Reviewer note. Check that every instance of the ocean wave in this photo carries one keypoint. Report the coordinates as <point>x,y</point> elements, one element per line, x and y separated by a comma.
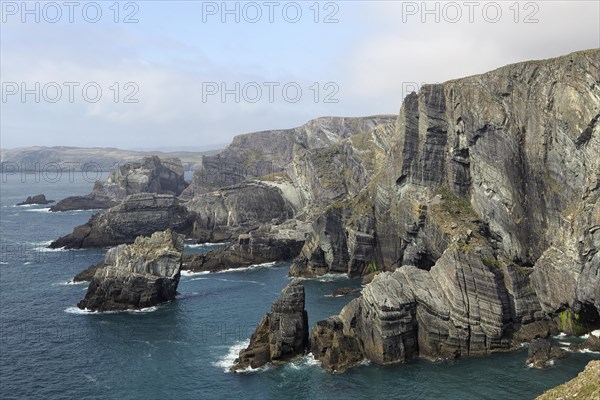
<point>75,283</point>
<point>192,273</point>
<point>560,335</point>
<point>38,210</point>
<point>248,268</point>
<point>227,360</point>
<point>308,361</point>
<point>78,311</point>
<point>3,263</point>
<point>199,245</point>
<point>324,278</point>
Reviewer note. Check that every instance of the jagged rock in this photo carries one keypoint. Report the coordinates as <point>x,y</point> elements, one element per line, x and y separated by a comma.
<point>144,274</point>
<point>592,343</point>
<point>460,307</point>
<point>586,386</point>
<point>335,350</point>
<point>269,153</point>
<point>281,335</point>
<point>224,214</point>
<point>264,245</point>
<point>37,199</point>
<point>542,353</point>
<point>151,175</point>
<point>138,215</point>
<point>110,258</point>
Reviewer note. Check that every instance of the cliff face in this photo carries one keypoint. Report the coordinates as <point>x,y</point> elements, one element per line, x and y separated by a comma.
<point>267,153</point>
<point>486,207</point>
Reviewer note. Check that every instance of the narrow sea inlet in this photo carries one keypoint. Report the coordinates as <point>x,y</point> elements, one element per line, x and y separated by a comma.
<point>183,349</point>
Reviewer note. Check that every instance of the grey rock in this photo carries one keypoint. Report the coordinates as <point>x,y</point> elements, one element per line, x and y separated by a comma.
<point>281,335</point>
<point>151,175</point>
<point>138,215</point>
<point>269,153</point>
<point>37,199</point>
<point>144,274</point>
<point>542,353</point>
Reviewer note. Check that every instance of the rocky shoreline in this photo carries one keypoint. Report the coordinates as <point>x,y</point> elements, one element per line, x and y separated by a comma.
<point>472,216</point>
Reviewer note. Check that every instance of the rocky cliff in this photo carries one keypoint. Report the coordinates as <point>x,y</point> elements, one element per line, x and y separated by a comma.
<point>138,215</point>
<point>143,274</point>
<point>151,175</point>
<point>281,335</point>
<point>269,153</point>
<point>485,207</point>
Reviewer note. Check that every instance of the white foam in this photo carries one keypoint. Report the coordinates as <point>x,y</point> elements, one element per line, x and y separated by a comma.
<point>77,310</point>
<point>332,277</point>
<point>251,267</point>
<point>588,351</point>
<point>198,245</point>
<point>192,273</point>
<point>38,210</point>
<point>3,263</point>
<point>560,335</point>
<point>74,283</point>
<point>233,353</point>
<point>305,362</point>
<point>564,343</point>
<point>596,333</point>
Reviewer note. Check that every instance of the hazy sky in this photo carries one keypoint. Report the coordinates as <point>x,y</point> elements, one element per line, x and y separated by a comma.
<point>175,58</point>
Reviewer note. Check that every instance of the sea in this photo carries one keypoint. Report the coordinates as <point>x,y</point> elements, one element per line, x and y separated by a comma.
<point>49,349</point>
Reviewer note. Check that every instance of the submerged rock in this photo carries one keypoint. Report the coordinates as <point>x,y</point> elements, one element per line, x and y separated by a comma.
<point>281,335</point>
<point>140,275</point>
<point>37,199</point>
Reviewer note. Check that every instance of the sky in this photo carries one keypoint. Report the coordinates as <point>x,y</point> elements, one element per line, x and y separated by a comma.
<point>193,74</point>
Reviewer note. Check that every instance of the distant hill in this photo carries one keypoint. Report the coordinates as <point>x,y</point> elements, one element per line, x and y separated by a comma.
<point>36,157</point>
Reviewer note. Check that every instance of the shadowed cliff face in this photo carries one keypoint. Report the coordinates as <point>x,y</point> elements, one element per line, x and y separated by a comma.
<point>489,187</point>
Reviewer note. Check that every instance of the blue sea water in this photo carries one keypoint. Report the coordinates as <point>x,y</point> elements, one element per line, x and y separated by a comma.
<point>182,350</point>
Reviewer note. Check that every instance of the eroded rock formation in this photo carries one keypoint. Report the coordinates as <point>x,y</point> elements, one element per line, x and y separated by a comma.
<point>281,335</point>
<point>151,175</point>
<point>138,215</point>
<point>143,274</point>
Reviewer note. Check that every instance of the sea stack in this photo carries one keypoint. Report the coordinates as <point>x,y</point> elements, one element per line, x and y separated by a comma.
<point>144,274</point>
<point>281,335</point>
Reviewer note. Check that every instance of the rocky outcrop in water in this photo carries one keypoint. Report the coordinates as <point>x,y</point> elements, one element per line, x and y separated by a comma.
<point>281,335</point>
<point>138,215</point>
<point>543,353</point>
<point>37,199</point>
<point>151,175</point>
<point>140,275</point>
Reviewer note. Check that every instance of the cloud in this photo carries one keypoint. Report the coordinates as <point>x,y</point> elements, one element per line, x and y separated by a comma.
<point>377,55</point>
